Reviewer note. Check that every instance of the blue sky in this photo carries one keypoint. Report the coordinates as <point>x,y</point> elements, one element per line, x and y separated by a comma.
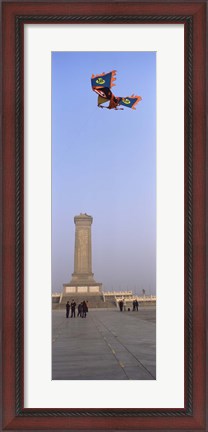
<point>104,164</point>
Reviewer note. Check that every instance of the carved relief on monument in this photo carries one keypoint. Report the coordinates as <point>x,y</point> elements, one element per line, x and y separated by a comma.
<point>70,289</point>
<point>94,289</point>
<point>82,289</point>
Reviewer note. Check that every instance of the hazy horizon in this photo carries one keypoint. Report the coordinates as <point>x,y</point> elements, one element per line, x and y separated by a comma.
<point>104,164</point>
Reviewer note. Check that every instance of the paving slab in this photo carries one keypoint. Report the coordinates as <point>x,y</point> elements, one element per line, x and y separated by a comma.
<point>107,345</point>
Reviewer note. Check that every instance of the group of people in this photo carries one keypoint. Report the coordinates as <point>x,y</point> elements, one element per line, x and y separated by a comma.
<point>82,309</point>
<point>122,306</point>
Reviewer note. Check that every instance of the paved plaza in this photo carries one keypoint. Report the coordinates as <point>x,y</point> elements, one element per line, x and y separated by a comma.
<point>107,345</point>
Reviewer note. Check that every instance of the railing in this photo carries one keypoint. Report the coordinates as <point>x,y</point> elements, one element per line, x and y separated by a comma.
<point>117,293</point>
<point>140,299</point>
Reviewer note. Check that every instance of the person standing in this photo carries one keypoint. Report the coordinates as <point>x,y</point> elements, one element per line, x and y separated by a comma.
<point>85,309</point>
<point>73,306</point>
<point>79,310</point>
<point>136,305</point>
<point>67,309</point>
<point>121,305</point>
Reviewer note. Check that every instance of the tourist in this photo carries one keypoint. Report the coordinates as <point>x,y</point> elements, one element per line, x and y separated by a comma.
<point>67,309</point>
<point>73,306</point>
<point>121,305</point>
<point>84,310</point>
<point>79,310</point>
<point>136,305</point>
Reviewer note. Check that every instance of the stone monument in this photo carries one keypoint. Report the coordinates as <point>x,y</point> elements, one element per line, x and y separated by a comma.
<point>82,278</point>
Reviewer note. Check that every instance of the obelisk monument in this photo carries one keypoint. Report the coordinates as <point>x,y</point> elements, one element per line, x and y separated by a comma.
<point>82,278</point>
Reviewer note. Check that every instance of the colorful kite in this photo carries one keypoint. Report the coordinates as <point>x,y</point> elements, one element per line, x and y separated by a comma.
<point>101,84</point>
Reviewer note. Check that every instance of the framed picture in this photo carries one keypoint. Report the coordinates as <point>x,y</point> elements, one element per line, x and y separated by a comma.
<point>38,40</point>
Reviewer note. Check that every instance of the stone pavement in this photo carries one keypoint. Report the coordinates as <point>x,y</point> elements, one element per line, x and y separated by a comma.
<point>107,345</point>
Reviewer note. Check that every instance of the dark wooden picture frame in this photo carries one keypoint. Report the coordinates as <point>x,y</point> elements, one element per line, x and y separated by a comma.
<point>193,415</point>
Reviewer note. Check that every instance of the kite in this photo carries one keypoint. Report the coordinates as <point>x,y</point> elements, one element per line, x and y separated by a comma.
<point>101,84</point>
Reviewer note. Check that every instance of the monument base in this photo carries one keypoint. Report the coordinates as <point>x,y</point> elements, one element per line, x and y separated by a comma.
<point>91,293</point>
